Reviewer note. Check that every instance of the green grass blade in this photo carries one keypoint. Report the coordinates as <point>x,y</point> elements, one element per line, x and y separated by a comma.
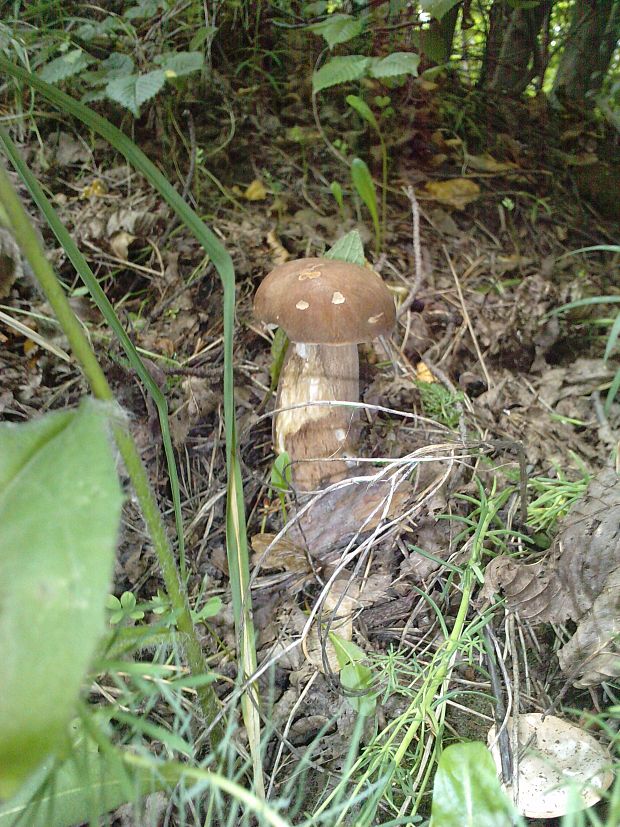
<point>237,549</point>
<point>103,303</point>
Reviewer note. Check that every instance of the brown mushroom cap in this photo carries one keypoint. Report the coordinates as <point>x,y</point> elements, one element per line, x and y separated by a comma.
<point>324,301</point>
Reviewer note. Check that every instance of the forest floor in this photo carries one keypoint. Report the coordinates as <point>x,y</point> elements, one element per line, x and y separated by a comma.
<point>481,380</point>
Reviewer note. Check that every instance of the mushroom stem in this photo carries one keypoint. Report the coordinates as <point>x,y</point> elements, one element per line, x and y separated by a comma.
<point>316,437</point>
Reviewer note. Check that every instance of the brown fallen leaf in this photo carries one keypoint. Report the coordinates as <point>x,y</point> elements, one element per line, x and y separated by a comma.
<point>487,163</point>
<point>578,580</point>
<point>10,262</point>
<point>457,192</point>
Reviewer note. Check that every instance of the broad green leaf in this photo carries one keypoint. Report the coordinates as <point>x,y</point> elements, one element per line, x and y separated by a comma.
<point>134,90</point>
<point>65,66</point>
<point>348,248</point>
<point>363,110</point>
<point>177,64</point>
<point>338,28</point>
<point>365,186</point>
<point>438,8</point>
<point>346,650</point>
<point>398,63</point>
<point>145,8</point>
<point>340,70</point>
<point>467,792</point>
<point>60,504</point>
<point>117,65</point>
<point>88,782</point>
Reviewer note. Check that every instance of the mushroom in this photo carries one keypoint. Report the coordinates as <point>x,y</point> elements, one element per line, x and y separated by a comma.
<point>326,307</point>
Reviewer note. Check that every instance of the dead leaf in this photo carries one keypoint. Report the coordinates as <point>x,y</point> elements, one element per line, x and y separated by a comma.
<point>578,580</point>
<point>70,151</point>
<point>457,192</point>
<point>95,189</point>
<point>438,160</point>
<point>423,374</point>
<point>336,616</point>
<point>487,163</point>
<point>561,761</point>
<point>256,191</point>
<point>11,267</point>
<point>581,159</point>
<point>280,253</point>
<point>119,244</point>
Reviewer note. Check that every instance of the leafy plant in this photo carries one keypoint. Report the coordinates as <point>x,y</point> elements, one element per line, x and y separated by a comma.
<point>365,187</point>
<point>60,504</point>
<point>466,791</point>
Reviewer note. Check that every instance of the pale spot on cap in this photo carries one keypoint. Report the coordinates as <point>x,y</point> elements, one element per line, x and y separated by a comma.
<point>374,319</point>
<point>302,305</point>
<point>338,298</point>
<point>309,274</point>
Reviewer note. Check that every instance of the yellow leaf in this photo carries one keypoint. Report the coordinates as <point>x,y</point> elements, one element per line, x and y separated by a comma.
<point>423,374</point>
<point>256,191</point>
<point>95,189</point>
<point>280,253</point>
<point>487,163</point>
<point>457,193</point>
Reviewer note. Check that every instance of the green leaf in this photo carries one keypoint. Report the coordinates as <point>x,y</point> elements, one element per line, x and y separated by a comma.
<point>438,8</point>
<point>145,8</point>
<point>348,248</point>
<point>612,339</point>
<point>134,90</point>
<point>398,63</point>
<point>117,65</point>
<point>354,675</point>
<point>202,35</point>
<point>60,504</point>
<point>89,782</point>
<point>279,347</point>
<point>65,66</point>
<point>280,478</point>
<point>338,28</point>
<point>336,191</point>
<point>340,70</point>
<point>467,792</point>
<point>365,186</point>
<point>363,110</point>
<point>178,64</point>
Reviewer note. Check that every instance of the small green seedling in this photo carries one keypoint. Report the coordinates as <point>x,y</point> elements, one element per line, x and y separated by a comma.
<point>123,609</point>
<point>366,114</point>
<point>336,191</point>
<point>365,187</point>
<point>355,676</point>
<point>280,479</point>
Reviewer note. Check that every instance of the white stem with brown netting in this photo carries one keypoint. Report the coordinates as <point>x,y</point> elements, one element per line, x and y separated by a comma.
<point>318,438</point>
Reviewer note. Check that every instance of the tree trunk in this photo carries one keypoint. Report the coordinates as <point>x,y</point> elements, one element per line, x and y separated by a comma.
<point>519,54</point>
<point>499,15</point>
<point>592,39</point>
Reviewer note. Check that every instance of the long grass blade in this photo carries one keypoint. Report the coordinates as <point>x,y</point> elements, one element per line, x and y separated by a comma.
<point>237,550</point>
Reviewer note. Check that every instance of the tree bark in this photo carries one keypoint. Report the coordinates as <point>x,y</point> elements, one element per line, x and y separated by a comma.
<point>499,16</point>
<point>519,55</point>
<point>592,39</point>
